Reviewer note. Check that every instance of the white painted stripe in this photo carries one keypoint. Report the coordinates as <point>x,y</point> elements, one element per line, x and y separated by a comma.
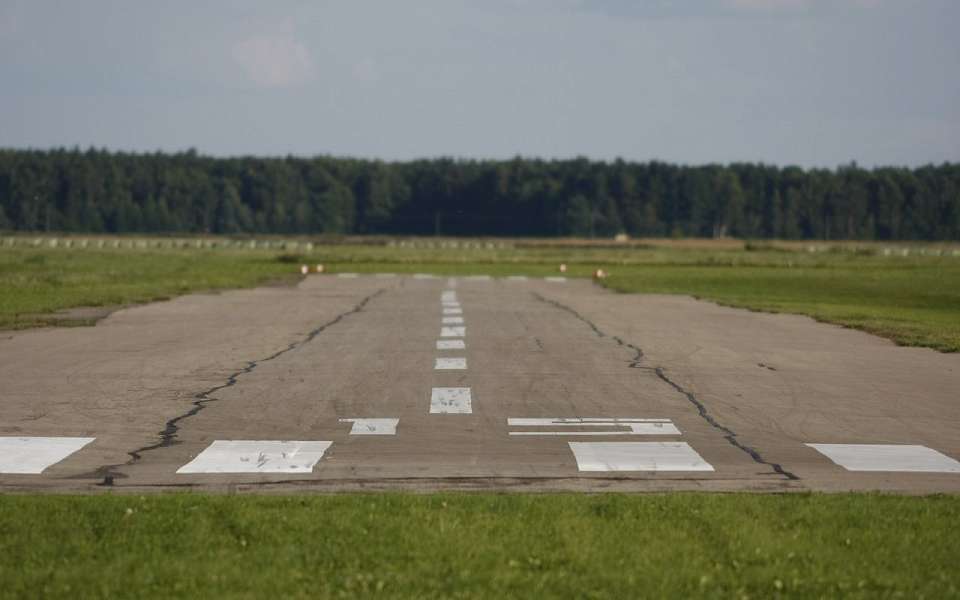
<point>637,456</point>
<point>444,364</point>
<point>517,278</point>
<point>453,331</point>
<point>451,345</point>
<point>372,426</point>
<point>452,311</point>
<point>888,457</point>
<point>555,279</point>
<point>348,275</point>
<point>448,296</point>
<point>633,426</point>
<point>32,455</point>
<point>424,276</point>
<point>257,456</point>
<point>539,421</point>
<point>452,320</point>
<point>450,304</point>
<point>451,400</point>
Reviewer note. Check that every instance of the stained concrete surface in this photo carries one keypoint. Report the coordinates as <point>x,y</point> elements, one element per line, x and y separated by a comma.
<point>157,384</point>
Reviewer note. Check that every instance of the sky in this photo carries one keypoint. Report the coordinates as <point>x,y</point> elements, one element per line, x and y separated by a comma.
<point>788,82</point>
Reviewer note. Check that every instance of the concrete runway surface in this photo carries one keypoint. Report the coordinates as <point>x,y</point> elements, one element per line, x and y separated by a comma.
<point>379,382</point>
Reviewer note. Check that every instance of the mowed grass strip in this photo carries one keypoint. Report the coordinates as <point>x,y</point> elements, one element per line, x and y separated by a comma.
<point>912,300</point>
<point>480,546</point>
<point>913,305</point>
<point>37,282</point>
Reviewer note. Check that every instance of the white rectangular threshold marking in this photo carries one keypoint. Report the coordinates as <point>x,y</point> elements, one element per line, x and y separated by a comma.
<point>517,278</point>
<point>633,426</point>
<point>445,400</point>
<point>445,364</point>
<point>424,276</point>
<point>637,456</point>
<point>32,455</point>
<point>888,457</point>
<point>555,279</point>
<point>372,426</point>
<point>452,320</point>
<point>257,456</point>
<point>452,311</point>
<point>453,331</point>
<point>450,304</point>
<point>451,345</point>
<point>448,296</point>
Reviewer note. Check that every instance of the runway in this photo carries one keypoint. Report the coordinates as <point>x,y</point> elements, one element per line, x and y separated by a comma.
<point>426,383</point>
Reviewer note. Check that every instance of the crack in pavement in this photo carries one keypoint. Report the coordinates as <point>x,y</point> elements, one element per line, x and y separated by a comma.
<point>728,434</point>
<point>201,399</point>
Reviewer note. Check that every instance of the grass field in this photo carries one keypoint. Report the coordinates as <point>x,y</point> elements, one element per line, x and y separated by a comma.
<point>480,546</point>
<point>909,294</point>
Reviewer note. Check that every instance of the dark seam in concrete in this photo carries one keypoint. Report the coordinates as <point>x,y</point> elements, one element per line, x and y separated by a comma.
<point>729,434</point>
<point>169,433</point>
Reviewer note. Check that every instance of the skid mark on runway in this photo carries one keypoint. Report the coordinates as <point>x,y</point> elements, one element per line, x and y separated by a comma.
<point>169,433</point>
<point>728,433</point>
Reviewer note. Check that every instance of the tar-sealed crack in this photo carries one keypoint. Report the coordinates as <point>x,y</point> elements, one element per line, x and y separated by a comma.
<point>728,433</point>
<point>169,434</point>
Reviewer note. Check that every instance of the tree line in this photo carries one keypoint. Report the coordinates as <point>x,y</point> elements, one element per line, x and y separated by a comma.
<point>94,191</point>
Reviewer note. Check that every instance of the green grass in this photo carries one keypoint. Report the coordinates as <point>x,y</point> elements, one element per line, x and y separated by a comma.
<point>37,282</point>
<point>480,546</point>
<point>914,305</point>
<point>913,300</point>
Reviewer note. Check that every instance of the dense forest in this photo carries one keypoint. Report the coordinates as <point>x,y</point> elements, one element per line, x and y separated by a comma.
<point>100,191</point>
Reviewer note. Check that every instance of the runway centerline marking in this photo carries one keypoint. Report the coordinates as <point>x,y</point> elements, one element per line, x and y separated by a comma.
<point>451,345</point>
<point>446,364</point>
<point>452,400</point>
<point>637,456</point>
<point>633,426</point>
<point>257,456</point>
<point>452,320</point>
<point>33,455</point>
<point>888,457</point>
<point>364,426</point>
<point>457,331</point>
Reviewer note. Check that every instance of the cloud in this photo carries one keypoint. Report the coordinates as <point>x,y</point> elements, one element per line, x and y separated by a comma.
<point>274,60</point>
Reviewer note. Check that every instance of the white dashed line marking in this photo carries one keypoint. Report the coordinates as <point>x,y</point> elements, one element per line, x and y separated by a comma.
<point>452,320</point>
<point>517,278</point>
<point>452,311</point>
<point>637,456</point>
<point>348,275</point>
<point>555,279</point>
<point>451,400</point>
<point>372,426</point>
<point>424,276</point>
<point>633,426</point>
<point>32,455</point>
<point>888,457</point>
<point>445,364</point>
<point>453,331</point>
<point>257,456</point>
<point>450,345</point>
<point>448,296</point>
